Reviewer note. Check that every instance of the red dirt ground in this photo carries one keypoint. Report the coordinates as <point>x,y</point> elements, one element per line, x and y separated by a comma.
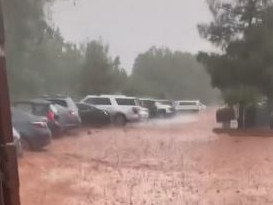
<point>174,162</point>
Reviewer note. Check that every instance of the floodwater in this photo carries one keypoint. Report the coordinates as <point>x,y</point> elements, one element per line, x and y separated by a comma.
<point>172,161</point>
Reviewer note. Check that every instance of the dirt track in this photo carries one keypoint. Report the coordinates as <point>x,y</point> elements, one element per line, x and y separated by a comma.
<point>177,163</point>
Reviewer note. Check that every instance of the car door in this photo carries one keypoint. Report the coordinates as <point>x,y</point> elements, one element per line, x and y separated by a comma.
<point>191,106</point>
<point>91,114</point>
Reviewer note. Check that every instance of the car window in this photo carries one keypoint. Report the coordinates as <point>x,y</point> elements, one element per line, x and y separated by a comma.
<point>98,101</point>
<point>187,103</point>
<point>40,109</point>
<point>19,115</point>
<point>148,103</point>
<point>25,107</point>
<point>126,101</point>
<point>59,102</point>
<point>166,102</point>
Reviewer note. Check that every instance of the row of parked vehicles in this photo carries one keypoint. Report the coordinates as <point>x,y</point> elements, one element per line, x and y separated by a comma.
<point>35,121</point>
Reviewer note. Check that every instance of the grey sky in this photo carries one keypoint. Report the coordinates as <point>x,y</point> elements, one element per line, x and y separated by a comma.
<point>133,26</point>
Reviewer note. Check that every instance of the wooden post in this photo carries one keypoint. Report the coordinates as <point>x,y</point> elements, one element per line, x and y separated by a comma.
<point>8,158</point>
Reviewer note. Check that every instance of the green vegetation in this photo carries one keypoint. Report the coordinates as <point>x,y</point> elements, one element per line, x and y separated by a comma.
<point>243,29</point>
<point>41,62</point>
<point>162,73</point>
<point>100,73</point>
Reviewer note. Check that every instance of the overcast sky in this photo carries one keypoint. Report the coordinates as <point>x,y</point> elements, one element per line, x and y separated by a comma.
<point>133,26</point>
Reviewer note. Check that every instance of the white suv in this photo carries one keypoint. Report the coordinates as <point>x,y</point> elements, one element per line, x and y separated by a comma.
<point>122,108</point>
<point>164,110</point>
<point>189,105</point>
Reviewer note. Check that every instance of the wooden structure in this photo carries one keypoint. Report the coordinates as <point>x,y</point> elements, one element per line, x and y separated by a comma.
<point>9,182</point>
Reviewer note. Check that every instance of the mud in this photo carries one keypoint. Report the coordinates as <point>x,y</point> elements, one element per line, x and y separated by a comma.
<point>174,162</point>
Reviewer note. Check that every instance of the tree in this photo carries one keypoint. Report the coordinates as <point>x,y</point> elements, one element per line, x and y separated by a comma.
<point>162,73</point>
<point>25,27</point>
<point>100,73</point>
<point>38,59</point>
<point>243,30</point>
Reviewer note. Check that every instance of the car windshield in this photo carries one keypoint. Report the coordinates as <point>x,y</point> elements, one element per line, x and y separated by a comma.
<point>59,102</point>
<point>20,115</point>
<point>40,109</point>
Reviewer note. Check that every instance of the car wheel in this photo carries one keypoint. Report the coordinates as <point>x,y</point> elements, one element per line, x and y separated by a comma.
<point>120,120</point>
<point>25,144</point>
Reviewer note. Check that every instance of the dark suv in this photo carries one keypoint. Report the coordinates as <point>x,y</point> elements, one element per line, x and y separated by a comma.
<point>41,108</point>
<point>33,130</point>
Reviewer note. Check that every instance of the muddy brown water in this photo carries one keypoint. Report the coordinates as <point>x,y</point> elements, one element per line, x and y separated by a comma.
<point>174,162</point>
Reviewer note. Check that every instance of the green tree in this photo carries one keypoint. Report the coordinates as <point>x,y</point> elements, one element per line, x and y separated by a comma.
<point>101,74</point>
<point>25,28</point>
<point>162,73</point>
<point>38,59</point>
<point>243,30</point>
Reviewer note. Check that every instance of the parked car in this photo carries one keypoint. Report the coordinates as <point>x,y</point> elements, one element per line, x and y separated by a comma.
<point>17,142</point>
<point>33,130</point>
<point>122,109</point>
<point>90,115</point>
<point>69,109</point>
<point>42,108</point>
<point>144,114</point>
<point>164,110</point>
<point>166,102</point>
<point>150,105</point>
<point>189,105</point>
<point>157,108</point>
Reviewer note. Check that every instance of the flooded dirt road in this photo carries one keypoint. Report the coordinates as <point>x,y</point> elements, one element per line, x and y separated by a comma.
<point>154,163</point>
